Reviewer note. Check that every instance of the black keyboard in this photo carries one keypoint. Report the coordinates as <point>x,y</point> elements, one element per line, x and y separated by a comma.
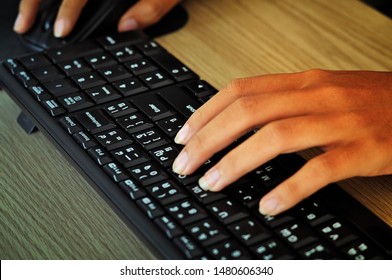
<point>113,106</point>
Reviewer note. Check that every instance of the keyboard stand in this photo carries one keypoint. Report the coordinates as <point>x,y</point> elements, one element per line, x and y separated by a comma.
<point>26,123</point>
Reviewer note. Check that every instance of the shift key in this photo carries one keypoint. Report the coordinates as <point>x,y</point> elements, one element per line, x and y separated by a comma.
<point>181,100</point>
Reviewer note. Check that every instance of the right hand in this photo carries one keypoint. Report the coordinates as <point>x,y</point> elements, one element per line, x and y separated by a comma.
<point>141,15</point>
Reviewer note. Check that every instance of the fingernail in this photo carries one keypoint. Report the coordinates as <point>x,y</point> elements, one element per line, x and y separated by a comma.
<point>268,206</point>
<point>182,135</point>
<point>180,163</point>
<point>209,180</point>
<point>18,23</point>
<point>59,28</point>
<point>128,25</point>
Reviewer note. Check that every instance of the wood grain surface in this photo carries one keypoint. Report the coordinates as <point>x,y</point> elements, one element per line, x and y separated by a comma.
<point>48,211</point>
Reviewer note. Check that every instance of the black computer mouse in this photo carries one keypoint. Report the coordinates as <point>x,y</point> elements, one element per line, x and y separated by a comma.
<point>99,17</point>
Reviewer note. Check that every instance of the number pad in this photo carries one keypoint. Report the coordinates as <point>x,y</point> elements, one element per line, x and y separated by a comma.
<point>147,174</point>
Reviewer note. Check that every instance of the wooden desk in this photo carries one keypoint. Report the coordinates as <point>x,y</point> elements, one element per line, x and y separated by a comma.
<point>48,211</point>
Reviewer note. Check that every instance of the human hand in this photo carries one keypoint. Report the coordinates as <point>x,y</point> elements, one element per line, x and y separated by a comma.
<point>346,113</point>
<point>141,15</point>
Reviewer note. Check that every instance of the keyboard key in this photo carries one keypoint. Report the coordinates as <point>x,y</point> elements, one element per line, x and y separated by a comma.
<point>165,155</point>
<point>75,101</point>
<point>147,174</point>
<point>200,88</point>
<point>13,65</point>
<point>39,93</point>
<point>47,73</point>
<point>166,192</point>
<point>103,94</point>
<point>183,179</point>
<point>272,249</point>
<point>130,86</point>
<point>101,156</point>
<point>124,54</point>
<point>100,60</point>
<point>249,231</point>
<point>314,212</point>
<point>134,123</point>
<point>26,78</point>
<point>88,80</point>
<point>171,125</point>
<point>319,251</point>
<point>152,106</point>
<point>169,226</point>
<point>274,221</point>
<point>186,212</point>
<point>121,39</point>
<point>173,66</point>
<point>113,139</point>
<point>53,107</point>
<point>207,232</point>
<point>363,250</point>
<point>61,87</point>
<point>229,250</point>
<point>84,140</point>
<point>205,197</point>
<point>114,73</point>
<point>132,189</point>
<point>156,79</point>
<point>181,100</point>
<point>248,194</point>
<point>70,124</point>
<point>150,139</point>
<point>116,173</point>
<point>297,234</point>
<point>188,246</point>
<point>150,48</point>
<point>227,210</point>
<point>119,109</point>
<point>95,121</point>
<point>270,174</point>
<point>34,61</point>
<point>338,232</point>
<point>129,156</point>
<point>150,207</point>
<point>141,66</point>
<point>74,66</point>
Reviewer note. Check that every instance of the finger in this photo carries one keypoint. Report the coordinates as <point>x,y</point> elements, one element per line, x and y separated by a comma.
<point>237,89</point>
<point>240,117</point>
<point>27,13</point>
<point>145,13</point>
<point>332,166</point>
<point>67,16</point>
<point>283,136</point>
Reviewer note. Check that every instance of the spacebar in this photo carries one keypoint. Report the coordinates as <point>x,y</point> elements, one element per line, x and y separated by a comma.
<point>181,100</point>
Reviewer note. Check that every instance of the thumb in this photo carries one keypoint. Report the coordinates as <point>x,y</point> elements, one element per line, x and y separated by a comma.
<point>145,13</point>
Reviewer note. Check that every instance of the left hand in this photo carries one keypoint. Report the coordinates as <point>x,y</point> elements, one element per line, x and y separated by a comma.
<point>346,113</point>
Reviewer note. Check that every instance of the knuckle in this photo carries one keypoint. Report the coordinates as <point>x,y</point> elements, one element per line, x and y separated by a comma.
<point>277,132</point>
<point>238,87</point>
<point>244,107</point>
<point>315,74</point>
